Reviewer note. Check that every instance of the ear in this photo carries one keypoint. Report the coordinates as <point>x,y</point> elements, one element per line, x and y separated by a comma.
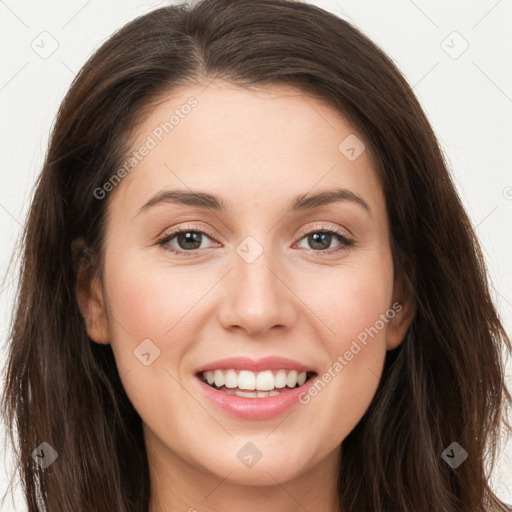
<point>404,307</point>
<point>89,293</point>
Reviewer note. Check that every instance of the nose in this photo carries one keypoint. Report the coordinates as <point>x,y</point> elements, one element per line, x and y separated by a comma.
<point>257,296</point>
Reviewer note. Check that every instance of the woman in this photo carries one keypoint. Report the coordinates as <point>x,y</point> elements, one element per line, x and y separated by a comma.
<point>327,342</point>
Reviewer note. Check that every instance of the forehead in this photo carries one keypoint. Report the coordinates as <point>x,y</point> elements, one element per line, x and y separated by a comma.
<point>260,143</point>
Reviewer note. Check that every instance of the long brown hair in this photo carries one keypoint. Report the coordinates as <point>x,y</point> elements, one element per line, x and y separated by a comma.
<point>443,384</point>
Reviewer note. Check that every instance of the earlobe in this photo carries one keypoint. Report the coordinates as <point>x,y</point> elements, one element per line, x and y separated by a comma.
<point>403,305</point>
<point>90,296</point>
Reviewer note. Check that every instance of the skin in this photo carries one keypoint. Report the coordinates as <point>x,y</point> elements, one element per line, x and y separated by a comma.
<point>257,149</point>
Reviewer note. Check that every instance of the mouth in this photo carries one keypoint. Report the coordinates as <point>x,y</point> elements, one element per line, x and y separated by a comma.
<point>255,384</point>
<point>255,389</point>
<point>250,384</point>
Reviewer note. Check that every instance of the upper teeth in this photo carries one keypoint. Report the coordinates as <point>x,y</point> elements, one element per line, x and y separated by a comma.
<point>261,381</point>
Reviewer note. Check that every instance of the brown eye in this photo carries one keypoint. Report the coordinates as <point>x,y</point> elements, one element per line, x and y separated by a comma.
<point>188,240</point>
<point>184,241</point>
<point>319,241</point>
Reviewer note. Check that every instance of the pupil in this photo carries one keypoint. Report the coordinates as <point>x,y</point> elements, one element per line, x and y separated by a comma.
<point>313,239</point>
<point>189,237</point>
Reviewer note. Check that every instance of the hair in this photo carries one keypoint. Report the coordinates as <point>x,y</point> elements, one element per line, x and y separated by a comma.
<point>443,383</point>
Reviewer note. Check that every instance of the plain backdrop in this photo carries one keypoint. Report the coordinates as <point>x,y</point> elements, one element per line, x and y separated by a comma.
<point>455,54</point>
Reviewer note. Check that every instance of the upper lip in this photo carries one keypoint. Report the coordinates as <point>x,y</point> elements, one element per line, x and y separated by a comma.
<point>255,365</point>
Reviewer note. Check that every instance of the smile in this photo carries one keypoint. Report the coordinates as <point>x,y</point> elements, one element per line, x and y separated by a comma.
<point>254,389</point>
<point>249,384</point>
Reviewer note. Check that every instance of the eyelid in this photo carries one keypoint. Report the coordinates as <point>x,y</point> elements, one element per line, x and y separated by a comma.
<point>319,226</point>
<point>188,227</point>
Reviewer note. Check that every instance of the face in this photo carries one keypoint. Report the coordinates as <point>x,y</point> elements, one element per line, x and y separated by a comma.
<point>254,287</point>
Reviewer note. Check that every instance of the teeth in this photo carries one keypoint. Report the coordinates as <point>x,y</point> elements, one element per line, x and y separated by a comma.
<point>219,378</point>
<point>245,394</point>
<point>231,379</point>
<point>280,379</point>
<point>246,380</point>
<point>291,379</point>
<point>264,383</point>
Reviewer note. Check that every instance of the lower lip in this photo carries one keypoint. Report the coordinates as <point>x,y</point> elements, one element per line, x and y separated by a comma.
<point>255,408</point>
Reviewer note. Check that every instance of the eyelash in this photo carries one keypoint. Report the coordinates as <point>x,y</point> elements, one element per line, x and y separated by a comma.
<point>344,241</point>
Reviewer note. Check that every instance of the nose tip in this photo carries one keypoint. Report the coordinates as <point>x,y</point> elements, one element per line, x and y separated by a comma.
<point>256,299</point>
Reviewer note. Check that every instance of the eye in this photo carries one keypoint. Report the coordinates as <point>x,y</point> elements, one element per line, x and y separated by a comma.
<point>188,241</point>
<point>320,240</point>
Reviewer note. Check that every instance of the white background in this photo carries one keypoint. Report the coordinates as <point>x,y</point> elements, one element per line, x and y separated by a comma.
<point>468,100</point>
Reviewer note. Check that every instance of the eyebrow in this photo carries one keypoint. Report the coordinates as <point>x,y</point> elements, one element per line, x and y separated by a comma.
<point>215,203</point>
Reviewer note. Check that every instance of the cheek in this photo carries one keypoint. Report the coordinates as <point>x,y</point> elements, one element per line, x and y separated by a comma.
<point>352,304</point>
<point>349,300</point>
<point>155,303</point>
<point>355,313</point>
<point>151,301</point>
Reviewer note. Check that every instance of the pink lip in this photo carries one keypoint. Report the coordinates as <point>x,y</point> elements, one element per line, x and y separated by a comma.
<point>254,408</point>
<point>265,363</point>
